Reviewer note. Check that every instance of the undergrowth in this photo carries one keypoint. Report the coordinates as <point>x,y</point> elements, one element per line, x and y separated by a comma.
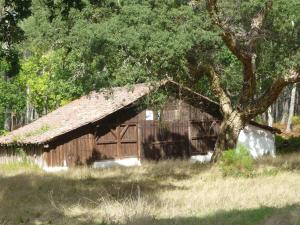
<point>24,163</point>
<point>18,166</point>
<point>287,145</point>
<point>237,162</point>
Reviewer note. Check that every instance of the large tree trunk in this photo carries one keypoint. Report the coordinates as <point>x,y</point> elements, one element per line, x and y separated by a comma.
<point>244,46</point>
<point>7,120</point>
<point>285,109</point>
<point>276,111</point>
<point>7,111</point>
<point>229,133</point>
<point>292,108</point>
<point>270,117</point>
<point>28,107</point>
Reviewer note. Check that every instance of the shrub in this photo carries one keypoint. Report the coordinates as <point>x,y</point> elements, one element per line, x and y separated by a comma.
<point>3,132</point>
<point>287,145</point>
<point>296,122</point>
<point>237,162</point>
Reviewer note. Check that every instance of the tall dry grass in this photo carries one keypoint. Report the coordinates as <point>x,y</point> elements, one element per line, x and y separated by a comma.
<point>168,192</point>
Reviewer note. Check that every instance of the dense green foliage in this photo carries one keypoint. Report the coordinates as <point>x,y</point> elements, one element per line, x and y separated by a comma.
<point>100,44</point>
<point>59,50</point>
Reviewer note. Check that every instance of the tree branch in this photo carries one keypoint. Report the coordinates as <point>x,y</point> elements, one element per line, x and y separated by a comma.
<point>256,25</point>
<point>292,76</point>
<point>224,100</point>
<point>235,46</point>
<point>228,35</point>
<point>242,46</point>
<point>249,85</point>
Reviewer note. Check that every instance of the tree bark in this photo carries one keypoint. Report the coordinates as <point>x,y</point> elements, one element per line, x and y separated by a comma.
<point>243,44</point>
<point>7,120</point>
<point>28,108</point>
<point>277,110</point>
<point>7,112</point>
<point>285,109</point>
<point>297,102</point>
<point>270,117</point>
<point>229,133</point>
<point>292,108</point>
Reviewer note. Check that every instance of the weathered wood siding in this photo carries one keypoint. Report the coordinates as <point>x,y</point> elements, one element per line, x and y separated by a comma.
<point>77,151</point>
<point>118,142</point>
<point>165,140</point>
<point>178,129</point>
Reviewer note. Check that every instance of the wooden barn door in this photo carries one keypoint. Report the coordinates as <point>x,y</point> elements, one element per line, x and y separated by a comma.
<point>178,138</point>
<point>117,142</point>
<point>203,136</point>
<point>165,140</point>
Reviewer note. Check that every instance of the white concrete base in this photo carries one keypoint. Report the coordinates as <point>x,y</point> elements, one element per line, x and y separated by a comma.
<point>258,141</point>
<point>55,169</point>
<point>127,162</point>
<point>201,158</point>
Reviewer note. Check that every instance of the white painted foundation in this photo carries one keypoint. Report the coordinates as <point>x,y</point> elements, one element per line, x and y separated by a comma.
<point>201,158</point>
<point>127,162</point>
<point>258,141</point>
<point>55,169</point>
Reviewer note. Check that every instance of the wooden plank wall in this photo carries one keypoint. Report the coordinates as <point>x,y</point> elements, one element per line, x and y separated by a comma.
<point>203,136</point>
<point>77,151</point>
<point>180,130</point>
<point>164,140</point>
<point>79,147</point>
<point>119,142</point>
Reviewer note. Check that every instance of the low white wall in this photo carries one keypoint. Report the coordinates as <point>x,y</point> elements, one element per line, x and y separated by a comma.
<point>201,158</point>
<point>55,169</point>
<point>258,141</point>
<point>127,162</point>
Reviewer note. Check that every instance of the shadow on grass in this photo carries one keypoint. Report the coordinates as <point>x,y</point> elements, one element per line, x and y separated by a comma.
<point>287,161</point>
<point>289,215</point>
<point>175,169</point>
<point>287,154</point>
<point>32,196</point>
<point>36,198</point>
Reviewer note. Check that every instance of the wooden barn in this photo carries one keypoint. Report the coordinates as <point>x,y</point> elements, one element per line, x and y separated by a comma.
<point>114,126</point>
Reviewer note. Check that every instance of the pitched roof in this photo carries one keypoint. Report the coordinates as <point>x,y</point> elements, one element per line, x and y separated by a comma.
<point>89,109</point>
<point>80,112</point>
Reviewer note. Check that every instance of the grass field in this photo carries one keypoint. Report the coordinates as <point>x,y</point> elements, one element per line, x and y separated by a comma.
<point>170,192</point>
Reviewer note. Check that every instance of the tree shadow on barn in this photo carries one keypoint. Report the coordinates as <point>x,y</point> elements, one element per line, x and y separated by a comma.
<point>172,149</point>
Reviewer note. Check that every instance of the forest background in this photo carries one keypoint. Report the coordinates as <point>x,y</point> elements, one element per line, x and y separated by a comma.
<point>55,51</point>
